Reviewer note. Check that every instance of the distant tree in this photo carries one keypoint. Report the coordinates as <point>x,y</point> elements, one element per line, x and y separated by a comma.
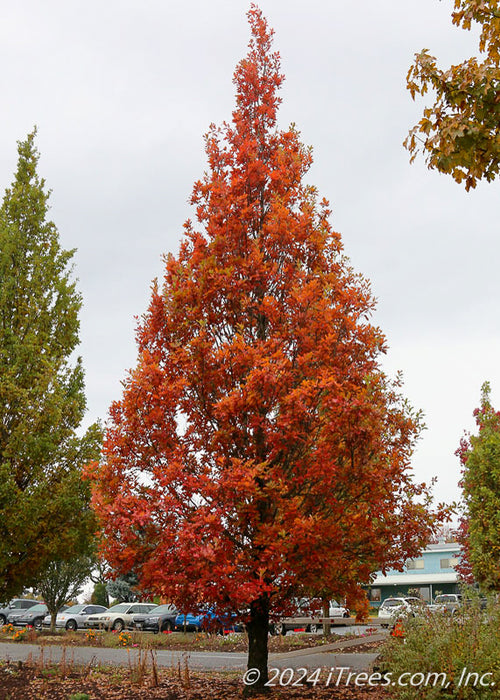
<point>460,133</point>
<point>259,453</point>
<point>100,579</point>
<point>480,458</point>
<point>124,589</point>
<point>62,581</point>
<point>44,504</point>
<point>100,595</point>
<point>464,566</point>
<point>446,533</point>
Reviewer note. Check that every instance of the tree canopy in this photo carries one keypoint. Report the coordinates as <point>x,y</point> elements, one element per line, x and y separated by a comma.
<point>258,451</point>
<point>44,504</point>
<point>62,581</point>
<point>480,528</point>
<point>460,133</point>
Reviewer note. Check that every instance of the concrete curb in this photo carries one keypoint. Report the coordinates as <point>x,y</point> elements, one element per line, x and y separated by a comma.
<point>336,646</point>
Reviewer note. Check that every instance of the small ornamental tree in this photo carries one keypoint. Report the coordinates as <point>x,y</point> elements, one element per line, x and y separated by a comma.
<point>259,452</point>
<point>460,133</point>
<point>480,528</point>
<point>45,509</point>
<point>62,581</point>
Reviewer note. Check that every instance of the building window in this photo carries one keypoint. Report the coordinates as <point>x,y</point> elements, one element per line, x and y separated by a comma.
<point>449,563</point>
<point>415,564</point>
<point>374,595</point>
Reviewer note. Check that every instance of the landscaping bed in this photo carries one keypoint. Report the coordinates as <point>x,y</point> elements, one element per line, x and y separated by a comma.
<point>233,642</point>
<point>37,681</point>
<point>40,679</point>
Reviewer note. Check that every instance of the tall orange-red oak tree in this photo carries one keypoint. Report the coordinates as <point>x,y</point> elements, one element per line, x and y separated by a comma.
<point>259,452</point>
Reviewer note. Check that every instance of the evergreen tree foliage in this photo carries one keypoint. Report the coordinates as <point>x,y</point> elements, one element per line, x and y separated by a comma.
<point>100,595</point>
<point>124,589</point>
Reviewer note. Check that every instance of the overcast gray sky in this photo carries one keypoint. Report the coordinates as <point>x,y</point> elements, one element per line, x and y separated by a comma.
<point>122,92</point>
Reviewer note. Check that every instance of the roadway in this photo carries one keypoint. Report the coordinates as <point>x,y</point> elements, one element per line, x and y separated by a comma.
<point>329,656</point>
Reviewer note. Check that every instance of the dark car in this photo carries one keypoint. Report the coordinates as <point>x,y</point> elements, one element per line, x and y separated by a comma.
<point>33,617</point>
<point>16,606</point>
<point>160,619</point>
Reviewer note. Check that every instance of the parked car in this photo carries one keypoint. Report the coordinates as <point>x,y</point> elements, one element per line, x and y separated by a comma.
<point>119,616</point>
<point>393,609</point>
<point>159,619</point>
<point>33,617</point>
<point>304,620</point>
<point>206,621</point>
<point>459,605</point>
<point>337,610</point>
<point>18,606</point>
<point>447,602</point>
<point>74,617</point>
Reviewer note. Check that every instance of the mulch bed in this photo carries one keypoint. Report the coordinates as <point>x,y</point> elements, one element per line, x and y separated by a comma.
<point>366,647</point>
<point>33,682</point>
<point>36,680</point>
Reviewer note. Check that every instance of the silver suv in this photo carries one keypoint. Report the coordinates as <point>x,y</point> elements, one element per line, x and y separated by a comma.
<point>447,602</point>
<point>16,607</point>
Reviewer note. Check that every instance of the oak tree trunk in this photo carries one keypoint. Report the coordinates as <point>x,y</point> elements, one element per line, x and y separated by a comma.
<point>327,628</point>
<point>258,632</point>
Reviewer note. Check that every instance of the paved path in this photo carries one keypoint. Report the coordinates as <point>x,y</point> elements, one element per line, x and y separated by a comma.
<point>330,656</point>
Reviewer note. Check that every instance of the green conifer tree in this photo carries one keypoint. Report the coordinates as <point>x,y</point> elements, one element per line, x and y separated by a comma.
<point>44,512</point>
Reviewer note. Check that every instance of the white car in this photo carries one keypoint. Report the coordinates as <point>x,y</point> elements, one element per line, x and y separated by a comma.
<point>119,616</point>
<point>447,602</point>
<point>395,608</point>
<point>337,610</point>
<point>306,621</point>
<point>74,617</point>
